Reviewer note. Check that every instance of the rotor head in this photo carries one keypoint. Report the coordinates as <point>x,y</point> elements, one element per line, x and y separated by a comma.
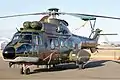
<point>53,9</point>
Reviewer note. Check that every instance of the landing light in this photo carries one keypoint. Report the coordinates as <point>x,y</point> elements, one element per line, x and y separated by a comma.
<point>6,52</point>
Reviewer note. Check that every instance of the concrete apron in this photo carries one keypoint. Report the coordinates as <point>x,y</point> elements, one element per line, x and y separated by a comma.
<point>106,55</point>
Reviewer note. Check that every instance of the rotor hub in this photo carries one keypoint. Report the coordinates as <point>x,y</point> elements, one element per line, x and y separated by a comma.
<point>53,9</point>
<point>53,12</point>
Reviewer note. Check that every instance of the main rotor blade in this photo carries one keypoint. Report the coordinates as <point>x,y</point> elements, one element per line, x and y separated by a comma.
<point>63,13</point>
<point>24,15</point>
<point>90,15</point>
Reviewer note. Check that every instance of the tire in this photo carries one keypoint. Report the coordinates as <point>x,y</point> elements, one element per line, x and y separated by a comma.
<point>27,71</point>
<point>81,66</point>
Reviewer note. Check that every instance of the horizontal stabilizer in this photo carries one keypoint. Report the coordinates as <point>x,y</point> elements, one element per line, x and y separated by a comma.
<point>109,34</point>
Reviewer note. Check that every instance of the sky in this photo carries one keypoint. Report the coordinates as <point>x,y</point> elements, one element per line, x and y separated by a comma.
<point>99,7</point>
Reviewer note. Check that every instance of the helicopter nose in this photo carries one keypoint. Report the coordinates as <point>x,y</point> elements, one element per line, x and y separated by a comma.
<point>9,53</point>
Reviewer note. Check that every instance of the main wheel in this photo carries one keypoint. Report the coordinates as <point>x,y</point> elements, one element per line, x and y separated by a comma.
<point>27,71</point>
<point>21,71</point>
<point>81,66</point>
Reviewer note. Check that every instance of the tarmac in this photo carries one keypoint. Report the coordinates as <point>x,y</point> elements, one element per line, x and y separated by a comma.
<point>95,69</point>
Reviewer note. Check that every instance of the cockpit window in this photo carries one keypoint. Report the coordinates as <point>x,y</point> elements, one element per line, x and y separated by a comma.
<point>26,38</point>
<point>23,48</point>
<point>23,38</point>
<point>16,37</point>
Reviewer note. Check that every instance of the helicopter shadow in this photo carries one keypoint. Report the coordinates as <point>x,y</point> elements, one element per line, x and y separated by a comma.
<point>60,67</point>
<point>118,62</point>
<point>63,67</point>
<point>97,63</point>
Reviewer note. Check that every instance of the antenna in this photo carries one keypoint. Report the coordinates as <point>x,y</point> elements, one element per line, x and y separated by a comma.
<point>17,29</point>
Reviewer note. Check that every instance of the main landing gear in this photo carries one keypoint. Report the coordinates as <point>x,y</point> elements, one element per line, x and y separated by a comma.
<point>25,69</point>
<point>81,66</point>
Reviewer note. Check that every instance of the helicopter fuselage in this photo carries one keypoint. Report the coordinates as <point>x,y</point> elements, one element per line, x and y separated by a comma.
<point>47,43</point>
<point>37,47</point>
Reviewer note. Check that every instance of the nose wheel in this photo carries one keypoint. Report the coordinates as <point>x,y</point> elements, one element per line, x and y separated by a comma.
<point>25,70</point>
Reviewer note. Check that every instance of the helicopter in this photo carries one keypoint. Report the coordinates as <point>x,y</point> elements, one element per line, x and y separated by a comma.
<point>50,42</point>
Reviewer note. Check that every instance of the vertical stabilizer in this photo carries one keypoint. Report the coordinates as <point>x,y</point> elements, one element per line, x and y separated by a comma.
<point>95,37</point>
<point>96,34</point>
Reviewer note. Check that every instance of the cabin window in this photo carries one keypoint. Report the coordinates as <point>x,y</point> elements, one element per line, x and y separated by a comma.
<point>79,45</point>
<point>40,40</point>
<point>62,43</point>
<point>56,43</point>
<point>52,44</point>
<point>66,43</point>
<point>73,44</point>
<point>35,40</point>
<point>70,43</point>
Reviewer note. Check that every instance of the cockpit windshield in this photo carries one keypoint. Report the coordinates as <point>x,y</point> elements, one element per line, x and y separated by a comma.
<point>22,38</point>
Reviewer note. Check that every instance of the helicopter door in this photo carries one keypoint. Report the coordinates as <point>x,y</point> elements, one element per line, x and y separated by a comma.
<point>35,44</point>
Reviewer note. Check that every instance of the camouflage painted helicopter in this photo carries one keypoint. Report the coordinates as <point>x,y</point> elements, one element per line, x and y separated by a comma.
<point>49,42</point>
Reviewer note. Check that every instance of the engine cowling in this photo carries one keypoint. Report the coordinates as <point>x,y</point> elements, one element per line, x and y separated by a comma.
<point>32,25</point>
<point>36,25</point>
<point>27,25</point>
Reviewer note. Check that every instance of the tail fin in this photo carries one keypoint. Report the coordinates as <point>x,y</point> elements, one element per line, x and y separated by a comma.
<point>95,37</point>
<point>96,34</point>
